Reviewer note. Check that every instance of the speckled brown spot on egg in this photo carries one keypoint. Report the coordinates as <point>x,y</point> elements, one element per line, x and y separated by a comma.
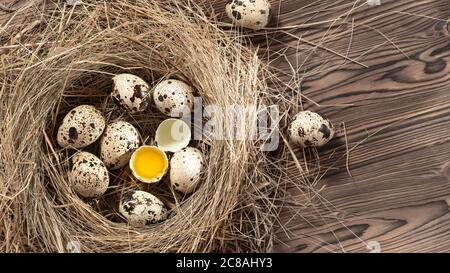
<point>73,133</point>
<point>173,97</point>
<point>236,14</point>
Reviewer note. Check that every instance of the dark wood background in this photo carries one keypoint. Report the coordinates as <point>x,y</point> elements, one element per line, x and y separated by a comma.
<point>393,95</point>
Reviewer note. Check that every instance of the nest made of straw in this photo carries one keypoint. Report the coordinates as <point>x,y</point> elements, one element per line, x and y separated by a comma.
<point>69,60</point>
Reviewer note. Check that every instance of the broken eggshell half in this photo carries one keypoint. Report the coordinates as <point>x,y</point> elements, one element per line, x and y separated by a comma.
<point>173,135</point>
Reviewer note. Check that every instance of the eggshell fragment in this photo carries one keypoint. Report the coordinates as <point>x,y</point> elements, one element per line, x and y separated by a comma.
<point>142,208</point>
<point>132,92</point>
<point>173,97</point>
<point>186,167</point>
<point>172,135</point>
<point>88,176</point>
<point>309,129</point>
<point>82,126</point>
<point>118,143</point>
<point>252,14</point>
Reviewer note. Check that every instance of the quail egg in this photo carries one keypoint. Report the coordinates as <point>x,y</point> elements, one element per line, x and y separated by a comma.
<point>252,14</point>
<point>81,127</point>
<point>142,208</point>
<point>309,129</point>
<point>173,97</point>
<point>118,142</point>
<point>172,135</point>
<point>149,164</point>
<point>132,92</point>
<point>88,176</point>
<point>186,167</point>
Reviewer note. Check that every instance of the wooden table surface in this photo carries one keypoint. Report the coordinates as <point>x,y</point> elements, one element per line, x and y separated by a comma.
<point>384,72</point>
<point>398,126</point>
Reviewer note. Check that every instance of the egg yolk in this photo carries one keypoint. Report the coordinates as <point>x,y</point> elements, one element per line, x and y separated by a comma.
<point>149,163</point>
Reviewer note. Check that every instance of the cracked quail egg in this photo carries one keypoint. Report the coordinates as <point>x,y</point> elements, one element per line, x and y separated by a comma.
<point>149,164</point>
<point>173,97</point>
<point>252,14</point>
<point>142,208</point>
<point>186,167</point>
<point>309,129</point>
<point>81,127</point>
<point>88,176</point>
<point>132,92</point>
<point>172,135</point>
<point>117,144</point>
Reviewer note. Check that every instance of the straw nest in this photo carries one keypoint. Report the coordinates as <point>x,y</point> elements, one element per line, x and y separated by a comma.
<point>68,60</point>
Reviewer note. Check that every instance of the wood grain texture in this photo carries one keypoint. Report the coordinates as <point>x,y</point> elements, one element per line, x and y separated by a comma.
<point>396,110</point>
<point>399,191</point>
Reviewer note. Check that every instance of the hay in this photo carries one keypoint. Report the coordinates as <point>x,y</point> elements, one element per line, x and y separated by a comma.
<point>69,60</point>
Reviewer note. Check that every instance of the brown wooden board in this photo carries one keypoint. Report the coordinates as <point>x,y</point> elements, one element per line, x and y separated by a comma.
<point>396,109</point>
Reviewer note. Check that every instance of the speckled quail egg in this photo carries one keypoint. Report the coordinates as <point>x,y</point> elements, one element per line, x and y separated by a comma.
<point>88,176</point>
<point>132,92</point>
<point>252,14</point>
<point>173,97</point>
<point>118,143</point>
<point>142,208</point>
<point>186,167</point>
<point>81,127</point>
<point>309,129</point>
